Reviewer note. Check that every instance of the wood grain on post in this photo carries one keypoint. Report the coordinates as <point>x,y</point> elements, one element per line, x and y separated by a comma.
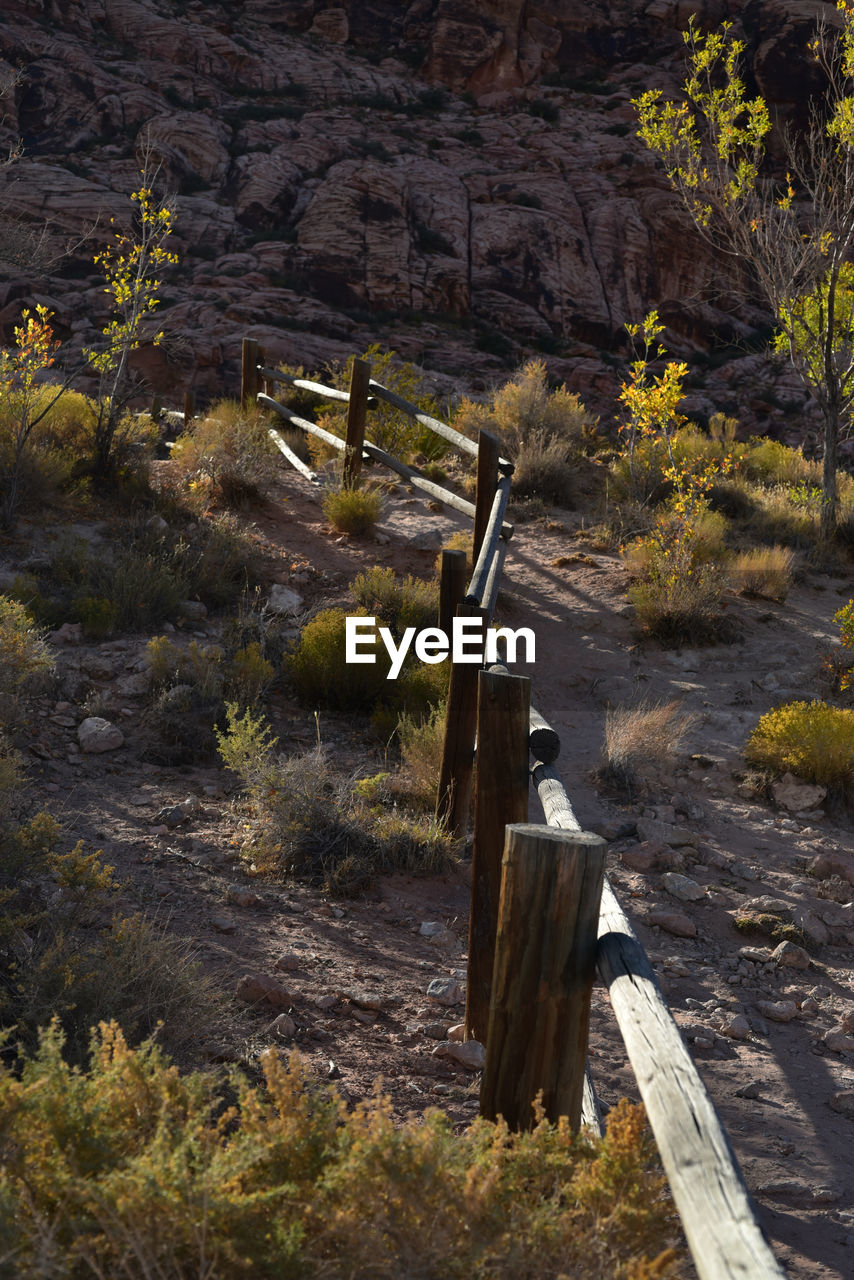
<point>455,773</point>
<point>356,414</point>
<point>724,1237</point>
<point>249,372</point>
<point>452,586</point>
<point>501,797</point>
<point>545,952</point>
<point>543,740</point>
<point>189,407</point>
<point>487,482</point>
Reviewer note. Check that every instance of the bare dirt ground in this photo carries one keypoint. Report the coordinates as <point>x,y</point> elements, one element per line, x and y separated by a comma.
<point>359,969</point>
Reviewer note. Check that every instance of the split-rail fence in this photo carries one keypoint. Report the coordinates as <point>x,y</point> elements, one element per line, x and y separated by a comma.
<point>544,916</point>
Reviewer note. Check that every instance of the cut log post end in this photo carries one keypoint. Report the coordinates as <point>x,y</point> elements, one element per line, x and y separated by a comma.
<point>544,965</point>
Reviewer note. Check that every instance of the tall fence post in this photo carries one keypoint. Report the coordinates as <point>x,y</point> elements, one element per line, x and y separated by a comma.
<point>356,414</point>
<point>454,792</point>
<point>189,406</point>
<point>501,798</point>
<point>488,454</point>
<point>545,952</point>
<point>452,587</point>
<point>249,372</point>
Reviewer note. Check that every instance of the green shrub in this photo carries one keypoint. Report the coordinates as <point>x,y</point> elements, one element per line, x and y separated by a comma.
<point>353,511</point>
<point>411,602</point>
<point>127,1167</point>
<point>812,740</point>
<point>421,742</point>
<point>320,672</point>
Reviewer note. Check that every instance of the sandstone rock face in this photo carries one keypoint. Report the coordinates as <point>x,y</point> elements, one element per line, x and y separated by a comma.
<point>326,199</point>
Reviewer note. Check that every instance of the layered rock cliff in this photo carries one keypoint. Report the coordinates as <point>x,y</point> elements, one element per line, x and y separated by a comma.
<point>458,181</point>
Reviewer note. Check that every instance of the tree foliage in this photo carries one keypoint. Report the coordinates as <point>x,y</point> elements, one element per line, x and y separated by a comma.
<point>794,228</point>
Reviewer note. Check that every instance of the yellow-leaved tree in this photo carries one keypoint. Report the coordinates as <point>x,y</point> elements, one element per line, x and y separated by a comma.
<point>792,227</point>
<point>131,263</point>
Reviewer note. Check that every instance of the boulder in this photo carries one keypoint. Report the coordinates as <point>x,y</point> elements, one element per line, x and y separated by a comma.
<point>96,735</point>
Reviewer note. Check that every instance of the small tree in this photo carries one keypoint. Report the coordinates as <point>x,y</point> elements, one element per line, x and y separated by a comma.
<point>131,265</point>
<point>24,402</point>
<point>795,234</point>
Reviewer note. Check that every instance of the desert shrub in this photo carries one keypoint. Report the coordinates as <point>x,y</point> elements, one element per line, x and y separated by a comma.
<point>322,676</point>
<point>544,469</point>
<point>353,511</point>
<point>763,571</point>
<point>639,475</point>
<point>421,742</point>
<point>178,725</point>
<point>25,659</point>
<point>639,737</point>
<point>141,579</point>
<point>316,824</point>
<point>320,672</point>
<point>769,462</point>
<point>543,431</point>
<point>680,606</point>
<point>228,456</point>
<point>389,428</point>
<point>812,740</point>
<point>410,602</point>
<point>127,1159</point>
<point>707,540</point>
<point>54,964</point>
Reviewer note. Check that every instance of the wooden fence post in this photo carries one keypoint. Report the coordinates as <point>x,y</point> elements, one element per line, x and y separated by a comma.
<point>501,798</point>
<point>452,586</point>
<point>249,372</point>
<point>189,406</point>
<point>487,482</point>
<point>356,414</point>
<point>454,792</point>
<point>545,953</point>
<point>156,406</point>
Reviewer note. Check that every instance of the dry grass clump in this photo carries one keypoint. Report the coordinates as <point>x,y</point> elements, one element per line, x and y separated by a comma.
<point>228,456</point>
<point>813,740</point>
<point>640,737</point>
<point>127,1167</point>
<point>763,571</point>
<point>353,511</point>
<point>409,602</point>
<point>543,431</point>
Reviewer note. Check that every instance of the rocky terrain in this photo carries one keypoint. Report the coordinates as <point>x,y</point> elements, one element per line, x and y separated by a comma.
<point>461,184</point>
<point>375,986</point>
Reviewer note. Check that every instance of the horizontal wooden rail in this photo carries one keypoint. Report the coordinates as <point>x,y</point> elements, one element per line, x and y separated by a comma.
<point>494,531</point>
<point>493,582</point>
<point>305,384</point>
<point>295,461</point>
<point>433,424</point>
<point>267,402</point>
<point>714,1205</point>
<point>543,742</point>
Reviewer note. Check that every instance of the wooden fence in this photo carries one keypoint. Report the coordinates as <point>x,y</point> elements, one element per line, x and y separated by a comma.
<point>544,916</point>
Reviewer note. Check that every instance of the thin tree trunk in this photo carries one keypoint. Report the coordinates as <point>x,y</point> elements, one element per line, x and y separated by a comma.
<point>829,488</point>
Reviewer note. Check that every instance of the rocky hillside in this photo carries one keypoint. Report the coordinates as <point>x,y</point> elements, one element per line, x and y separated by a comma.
<point>459,182</point>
